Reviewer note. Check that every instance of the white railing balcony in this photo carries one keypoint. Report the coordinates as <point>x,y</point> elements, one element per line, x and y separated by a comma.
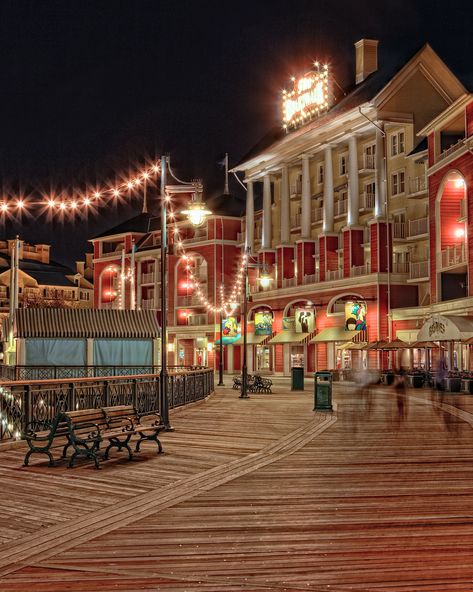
<point>149,304</point>
<point>358,270</point>
<point>288,282</point>
<point>317,214</point>
<point>333,274</point>
<point>312,278</point>
<point>198,319</point>
<point>454,255</point>
<point>400,267</point>
<point>190,300</point>
<point>340,207</point>
<point>418,227</point>
<point>296,187</point>
<point>417,185</point>
<point>369,162</point>
<point>399,230</point>
<point>367,201</point>
<point>451,149</point>
<point>419,270</point>
<point>197,238</point>
<point>147,278</point>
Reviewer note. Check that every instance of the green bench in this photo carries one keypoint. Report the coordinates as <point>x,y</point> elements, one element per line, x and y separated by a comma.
<point>87,429</point>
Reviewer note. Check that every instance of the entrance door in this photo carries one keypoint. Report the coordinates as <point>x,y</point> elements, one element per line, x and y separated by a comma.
<point>263,358</point>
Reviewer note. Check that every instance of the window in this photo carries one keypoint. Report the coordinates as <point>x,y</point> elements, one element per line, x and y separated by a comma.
<point>397,183</point>
<point>320,174</point>
<point>370,188</point>
<point>342,165</point>
<point>369,156</point>
<point>397,143</point>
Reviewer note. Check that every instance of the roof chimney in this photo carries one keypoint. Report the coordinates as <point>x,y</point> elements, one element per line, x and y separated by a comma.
<point>366,58</point>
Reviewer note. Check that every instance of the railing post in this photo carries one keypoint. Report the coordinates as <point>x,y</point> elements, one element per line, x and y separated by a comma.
<point>72,396</point>
<point>134,393</point>
<point>106,392</point>
<point>26,405</point>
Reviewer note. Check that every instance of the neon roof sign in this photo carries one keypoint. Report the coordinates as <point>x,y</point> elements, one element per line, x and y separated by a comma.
<point>308,98</point>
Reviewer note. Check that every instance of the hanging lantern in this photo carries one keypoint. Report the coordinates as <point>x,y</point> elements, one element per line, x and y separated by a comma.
<point>265,278</point>
<point>196,212</point>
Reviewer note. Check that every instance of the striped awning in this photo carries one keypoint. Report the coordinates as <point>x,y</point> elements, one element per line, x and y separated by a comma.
<point>252,339</point>
<point>334,334</point>
<point>85,323</point>
<point>288,336</point>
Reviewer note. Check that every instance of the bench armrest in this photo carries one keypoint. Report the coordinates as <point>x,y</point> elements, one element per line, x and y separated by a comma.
<point>91,437</point>
<point>126,428</point>
<point>32,427</point>
<point>153,416</point>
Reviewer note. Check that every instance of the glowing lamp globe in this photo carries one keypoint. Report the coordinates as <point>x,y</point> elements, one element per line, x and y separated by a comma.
<point>265,279</point>
<point>196,212</point>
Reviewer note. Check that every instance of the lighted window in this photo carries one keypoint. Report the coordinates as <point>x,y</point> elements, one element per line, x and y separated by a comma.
<point>397,183</point>
<point>397,143</point>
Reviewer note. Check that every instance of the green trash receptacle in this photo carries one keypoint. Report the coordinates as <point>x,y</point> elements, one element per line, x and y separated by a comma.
<point>323,391</point>
<point>297,379</point>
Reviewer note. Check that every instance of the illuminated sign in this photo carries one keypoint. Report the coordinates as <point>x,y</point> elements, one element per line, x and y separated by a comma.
<point>263,323</point>
<point>308,98</point>
<point>355,316</point>
<point>305,320</point>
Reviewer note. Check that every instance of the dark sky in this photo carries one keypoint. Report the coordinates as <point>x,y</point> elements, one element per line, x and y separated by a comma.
<point>90,87</point>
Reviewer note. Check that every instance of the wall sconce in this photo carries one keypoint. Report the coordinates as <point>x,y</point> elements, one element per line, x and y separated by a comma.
<point>170,347</point>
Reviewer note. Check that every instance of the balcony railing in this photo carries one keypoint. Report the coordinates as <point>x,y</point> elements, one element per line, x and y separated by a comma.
<point>369,162</point>
<point>340,207</point>
<point>418,270</point>
<point>190,300</point>
<point>198,319</point>
<point>400,267</point>
<point>418,227</point>
<point>451,149</point>
<point>296,220</point>
<point>358,270</point>
<point>399,230</point>
<point>454,255</point>
<point>333,274</point>
<point>296,187</point>
<point>367,201</point>
<point>197,238</point>
<point>151,304</point>
<point>417,185</point>
<point>147,278</point>
<point>288,282</point>
<point>311,278</point>
<point>317,214</point>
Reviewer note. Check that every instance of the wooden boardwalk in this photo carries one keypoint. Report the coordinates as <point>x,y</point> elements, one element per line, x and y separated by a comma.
<point>257,495</point>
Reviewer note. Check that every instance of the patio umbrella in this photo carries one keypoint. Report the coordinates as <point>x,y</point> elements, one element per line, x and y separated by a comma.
<point>426,345</point>
<point>376,345</point>
<point>468,341</point>
<point>396,344</point>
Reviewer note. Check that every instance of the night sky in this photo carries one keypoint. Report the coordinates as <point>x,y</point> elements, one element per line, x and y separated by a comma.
<point>91,87</point>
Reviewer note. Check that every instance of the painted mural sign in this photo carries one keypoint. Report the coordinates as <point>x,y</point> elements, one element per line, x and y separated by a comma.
<point>304,320</point>
<point>355,316</point>
<point>263,323</point>
<point>230,330</point>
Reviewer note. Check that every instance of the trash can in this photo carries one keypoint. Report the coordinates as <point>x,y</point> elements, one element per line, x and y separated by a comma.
<point>323,391</point>
<point>297,379</point>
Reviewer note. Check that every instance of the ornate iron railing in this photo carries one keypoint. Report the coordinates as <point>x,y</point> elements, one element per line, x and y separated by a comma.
<point>53,372</point>
<point>39,401</point>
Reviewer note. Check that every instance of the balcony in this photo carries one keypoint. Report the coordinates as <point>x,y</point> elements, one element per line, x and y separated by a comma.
<point>340,207</point>
<point>451,149</point>
<point>198,319</point>
<point>333,274</point>
<point>311,278</point>
<point>198,237</point>
<point>367,201</point>
<point>417,186</point>
<point>453,256</point>
<point>147,278</point>
<point>149,304</point>
<point>288,282</point>
<point>400,267</point>
<point>418,227</point>
<point>419,270</point>
<point>296,220</point>
<point>399,230</point>
<point>190,300</point>
<point>317,214</point>
<point>358,270</point>
<point>368,163</point>
<point>296,187</point>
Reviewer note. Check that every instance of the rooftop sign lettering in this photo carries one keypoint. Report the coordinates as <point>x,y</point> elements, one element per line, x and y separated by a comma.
<point>308,99</point>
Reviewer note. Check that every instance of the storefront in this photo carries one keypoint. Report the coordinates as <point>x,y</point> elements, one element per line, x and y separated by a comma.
<point>451,332</point>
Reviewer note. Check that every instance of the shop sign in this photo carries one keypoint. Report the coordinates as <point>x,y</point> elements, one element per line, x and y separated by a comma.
<point>263,323</point>
<point>230,330</point>
<point>355,316</point>
<point>304,320</point>
<point>288,324</point>
<point>308,98</point>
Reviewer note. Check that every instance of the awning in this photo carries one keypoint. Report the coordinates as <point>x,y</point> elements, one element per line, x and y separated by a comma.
<point>352,345</point>
<point>334,334</point>
<point>82,323</point>
<point>446,328</point>
<point>252,339</point>
<point>287,336</point>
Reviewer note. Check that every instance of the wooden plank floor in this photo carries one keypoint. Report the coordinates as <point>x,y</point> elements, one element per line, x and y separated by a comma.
<point>259,495</point>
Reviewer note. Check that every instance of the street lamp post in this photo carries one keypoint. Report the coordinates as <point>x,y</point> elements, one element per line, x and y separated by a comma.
<point>220,361</point>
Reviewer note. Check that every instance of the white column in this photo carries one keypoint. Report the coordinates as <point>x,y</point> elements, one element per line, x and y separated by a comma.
<point>353,185</point>
<point>380,178</point>
<point>230,359</point>
<point>250,216</point>
<point>267,222</point>
<point>305,199</point>
<point>285,207</point>
<point>328,191</point>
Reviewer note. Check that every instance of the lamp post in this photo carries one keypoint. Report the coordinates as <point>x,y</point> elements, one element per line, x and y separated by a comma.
<point>220,361</point>
<point>265,280</point>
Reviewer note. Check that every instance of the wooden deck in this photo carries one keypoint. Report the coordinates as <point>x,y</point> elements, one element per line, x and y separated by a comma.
<point>257,495</point>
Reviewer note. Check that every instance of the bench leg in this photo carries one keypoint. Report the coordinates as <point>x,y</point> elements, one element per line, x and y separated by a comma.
<point>64,450</point>
<point>119,445</point>
<point>153,438</point>
<point>26,461</point>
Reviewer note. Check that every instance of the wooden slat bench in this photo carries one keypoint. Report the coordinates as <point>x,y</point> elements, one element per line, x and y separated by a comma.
<point>146,425</point>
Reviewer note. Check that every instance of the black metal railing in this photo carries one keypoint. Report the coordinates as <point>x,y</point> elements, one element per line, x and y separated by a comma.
<point>54,372</point>
<point>39,402</point>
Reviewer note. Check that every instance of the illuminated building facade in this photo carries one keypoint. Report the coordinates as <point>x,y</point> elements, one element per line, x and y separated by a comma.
<point>351,216</point>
